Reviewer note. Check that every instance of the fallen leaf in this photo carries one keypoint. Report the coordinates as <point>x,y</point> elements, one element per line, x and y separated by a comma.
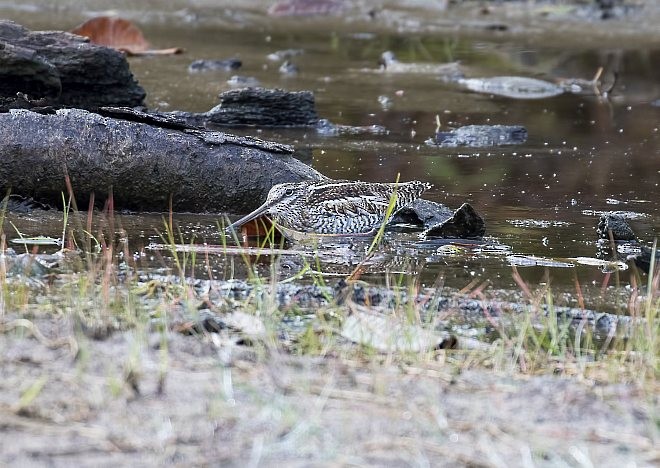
<point>119,34</point>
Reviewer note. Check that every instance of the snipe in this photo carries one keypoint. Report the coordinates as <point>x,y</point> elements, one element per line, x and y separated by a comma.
<point>333,207</point>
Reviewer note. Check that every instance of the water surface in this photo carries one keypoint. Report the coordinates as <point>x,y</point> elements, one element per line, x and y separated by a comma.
<point>585,154</point>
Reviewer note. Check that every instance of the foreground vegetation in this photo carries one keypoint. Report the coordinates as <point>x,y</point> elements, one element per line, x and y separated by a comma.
<point>105,334</point>
<point>101,285</point>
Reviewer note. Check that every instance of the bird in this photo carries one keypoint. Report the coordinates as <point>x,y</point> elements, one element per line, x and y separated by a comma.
<point>334,207</point>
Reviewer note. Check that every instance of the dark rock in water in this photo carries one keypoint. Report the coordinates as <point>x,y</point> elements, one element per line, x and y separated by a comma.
<point>643,259</point>
<point>58,69</point>
<point>439,221</point>
<point>246,107</point>
<point>143,165</point>
<point>465,223</point>
<point>215,65</point>
<point>619,227</point>
<point>264,107</point>
<point>480,136</point>
<point>424,213</point>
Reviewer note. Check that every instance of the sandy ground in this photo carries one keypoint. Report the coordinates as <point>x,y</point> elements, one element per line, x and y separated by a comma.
<point>224,404</point>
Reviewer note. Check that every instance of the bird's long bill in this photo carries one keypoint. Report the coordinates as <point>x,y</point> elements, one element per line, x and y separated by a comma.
<point>248,217</point>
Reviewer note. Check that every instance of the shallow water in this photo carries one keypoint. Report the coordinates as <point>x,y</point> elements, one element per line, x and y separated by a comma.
<point>584,155</point>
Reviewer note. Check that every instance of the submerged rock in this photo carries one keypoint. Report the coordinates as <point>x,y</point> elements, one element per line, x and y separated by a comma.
<point>215,65</point>
<point>480,136</point>
<point>326,128</point>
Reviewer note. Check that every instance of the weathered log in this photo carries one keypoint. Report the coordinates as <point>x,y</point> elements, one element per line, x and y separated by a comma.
<point>258,107</point>
<point>50,68</point>
<point>144,165</point>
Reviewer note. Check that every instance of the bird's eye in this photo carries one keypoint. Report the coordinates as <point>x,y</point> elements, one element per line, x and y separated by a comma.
<point>288,192</point>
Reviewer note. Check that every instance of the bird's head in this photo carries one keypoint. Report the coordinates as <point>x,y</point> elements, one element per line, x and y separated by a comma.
<point>281,196</point>
<point>280,199</point>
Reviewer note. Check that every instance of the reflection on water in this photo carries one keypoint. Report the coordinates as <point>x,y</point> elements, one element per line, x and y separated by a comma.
<point>584,154</point>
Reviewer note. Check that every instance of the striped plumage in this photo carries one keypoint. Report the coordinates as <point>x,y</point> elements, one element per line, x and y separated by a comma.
<point>334,207</point>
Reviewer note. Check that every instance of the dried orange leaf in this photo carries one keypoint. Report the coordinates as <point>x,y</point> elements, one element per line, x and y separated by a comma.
<point>113,32</point>
<point>119,34</point>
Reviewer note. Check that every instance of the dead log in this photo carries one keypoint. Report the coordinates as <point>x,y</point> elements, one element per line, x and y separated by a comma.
<point>57,69</point>
<point>144,165</point>
<point>259,107</point>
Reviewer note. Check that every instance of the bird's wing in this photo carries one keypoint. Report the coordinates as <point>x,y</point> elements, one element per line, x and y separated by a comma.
<point>350,198</point>
<point>362,205</point>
